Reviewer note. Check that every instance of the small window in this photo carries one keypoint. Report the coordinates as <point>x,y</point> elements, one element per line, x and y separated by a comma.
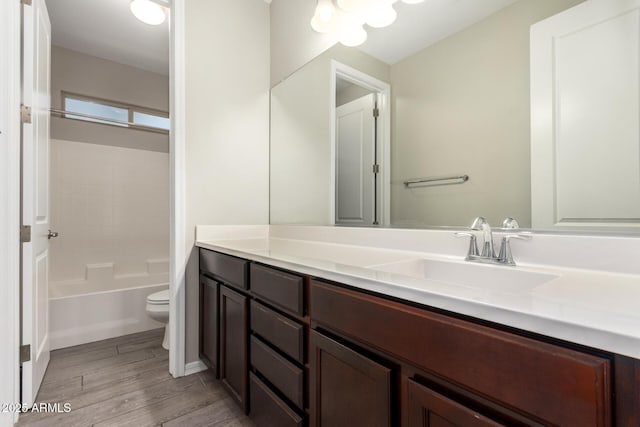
<point>114,113</point>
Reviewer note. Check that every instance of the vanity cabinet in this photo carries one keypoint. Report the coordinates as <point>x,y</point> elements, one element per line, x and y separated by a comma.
<point>294,350</point>
<point>209,292</point>
<point>347,388</point>
<point>278,339</point>
<point>234,321</point>
<point>518,378</point>
<point>224,321</point>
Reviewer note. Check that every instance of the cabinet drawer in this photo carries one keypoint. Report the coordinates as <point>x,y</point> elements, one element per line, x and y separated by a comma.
<point>280,288</point>
<point>228,269</point>
<point>283,333</point>
<point>268,410</point>
<point>428,408</point>
<point>552,383</point>
<point>284,375</point>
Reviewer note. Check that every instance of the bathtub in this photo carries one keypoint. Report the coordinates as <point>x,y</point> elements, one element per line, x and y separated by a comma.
<point>84,312</point>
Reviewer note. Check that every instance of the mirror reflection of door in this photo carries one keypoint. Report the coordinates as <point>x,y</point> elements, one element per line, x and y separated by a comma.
<point>356,155</point>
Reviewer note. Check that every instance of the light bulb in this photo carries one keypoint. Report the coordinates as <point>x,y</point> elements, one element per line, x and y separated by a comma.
<point>353,35</point>
<point>325,10</point>
<point>352,5</point>
<point>148,12</point>
<point>381,16</point>
<point>324,18</point>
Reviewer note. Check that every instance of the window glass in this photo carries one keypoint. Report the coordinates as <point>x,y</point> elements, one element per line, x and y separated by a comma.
<point>150,120</point>
<point>96,109</point>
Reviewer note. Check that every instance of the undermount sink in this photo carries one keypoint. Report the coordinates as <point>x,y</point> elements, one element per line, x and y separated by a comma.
<point>491,277</point>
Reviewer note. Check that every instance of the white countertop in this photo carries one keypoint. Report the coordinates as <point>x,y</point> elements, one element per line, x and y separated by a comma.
<point>600,309</point>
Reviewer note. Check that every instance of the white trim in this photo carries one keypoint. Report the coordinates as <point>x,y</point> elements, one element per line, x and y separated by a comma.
<point>194,367</point>
<point>9,207</point>
<point>383,90</point>
<point>178,253</point>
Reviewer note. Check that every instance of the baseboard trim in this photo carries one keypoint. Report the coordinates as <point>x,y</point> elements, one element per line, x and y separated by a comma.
<point>194,367</point>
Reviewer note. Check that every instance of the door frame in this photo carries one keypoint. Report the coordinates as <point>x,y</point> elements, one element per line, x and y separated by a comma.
<point>10,28</point>
<point>178,253</point>
<point>383,90</point>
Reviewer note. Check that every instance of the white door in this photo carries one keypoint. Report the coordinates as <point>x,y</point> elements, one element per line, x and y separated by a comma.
<point>35,196</point>
<point>585,117</point>
<point>355,159</point>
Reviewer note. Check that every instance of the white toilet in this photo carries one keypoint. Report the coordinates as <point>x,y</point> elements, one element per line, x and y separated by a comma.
<point>158,310</point>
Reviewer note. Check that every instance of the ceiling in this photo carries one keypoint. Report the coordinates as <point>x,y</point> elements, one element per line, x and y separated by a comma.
<point>423,24</point>
<point>107,29</point>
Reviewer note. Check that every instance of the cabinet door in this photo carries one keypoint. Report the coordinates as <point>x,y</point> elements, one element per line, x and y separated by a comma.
<point>430,409</point>
<point>347,388</point>
<point>234,309</point>
<point>209,323</point>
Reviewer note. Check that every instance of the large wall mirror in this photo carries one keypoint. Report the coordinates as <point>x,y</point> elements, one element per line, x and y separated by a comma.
<point>451,86</point>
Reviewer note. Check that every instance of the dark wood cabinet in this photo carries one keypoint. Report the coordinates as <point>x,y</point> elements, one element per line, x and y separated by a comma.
<point>300,350</point>
<point>546,382</point>
<point>347,388</point>
<point>209,290</point>
<point>234,324</point>
<point>428,408</point>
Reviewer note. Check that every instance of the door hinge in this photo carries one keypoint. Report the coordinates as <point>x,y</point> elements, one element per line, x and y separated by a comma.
<point>25,234</point>
<point>25,353</point>
<point>376,112</point>
<point>25,114</point>
<point>376,168</point>
<point>26,2</point>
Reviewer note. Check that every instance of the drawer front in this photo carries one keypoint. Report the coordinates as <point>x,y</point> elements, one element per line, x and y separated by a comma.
<point>283,333</point>
<point>429,408</point>
<point>283,289</point>
<point>552,383</point>
<point>268,410</point>
<point>228,269</point>
<point>284,375</point>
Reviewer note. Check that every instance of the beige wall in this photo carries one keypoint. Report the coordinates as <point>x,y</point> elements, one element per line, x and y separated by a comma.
<point>227,128</point>
<point>301,135</point>
<point>293,42</point>
<point>462,106</point>
<point>87,75</point>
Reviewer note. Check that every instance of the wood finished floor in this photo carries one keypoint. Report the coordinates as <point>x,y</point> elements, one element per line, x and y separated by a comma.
<point>125,381</point>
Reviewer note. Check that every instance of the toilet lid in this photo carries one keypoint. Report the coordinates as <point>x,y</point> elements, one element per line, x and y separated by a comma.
<point>161,297</point>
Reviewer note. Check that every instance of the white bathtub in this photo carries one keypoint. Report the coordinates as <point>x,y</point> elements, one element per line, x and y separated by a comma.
<point>79,313</point>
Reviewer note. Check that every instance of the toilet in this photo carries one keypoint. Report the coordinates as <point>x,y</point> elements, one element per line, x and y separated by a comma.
<point>158,310</point>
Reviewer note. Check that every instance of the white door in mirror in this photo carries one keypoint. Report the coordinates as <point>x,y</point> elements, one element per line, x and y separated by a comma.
<point>585,117</point>
<point>355,158</point>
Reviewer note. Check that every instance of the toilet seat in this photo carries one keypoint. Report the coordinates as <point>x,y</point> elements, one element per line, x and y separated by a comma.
<point>159,298</point>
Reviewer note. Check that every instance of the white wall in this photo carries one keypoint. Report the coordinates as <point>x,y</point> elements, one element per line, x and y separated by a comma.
<point>293,41</point>
<point>227,125</point>
<point>111,207</point>
<point>461,106</point>
<point>9,204</point>
<point>83,74</point>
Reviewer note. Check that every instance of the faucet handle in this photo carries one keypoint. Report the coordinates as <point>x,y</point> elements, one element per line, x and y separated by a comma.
<point>510,223</point>
<point>473,245</point>
<point>505,256</point>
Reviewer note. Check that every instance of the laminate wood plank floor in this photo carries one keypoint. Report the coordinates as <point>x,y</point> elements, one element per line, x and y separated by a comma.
<point>125,381</point>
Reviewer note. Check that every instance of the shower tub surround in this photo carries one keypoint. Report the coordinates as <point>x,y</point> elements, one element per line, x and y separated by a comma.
<point>581,289</point>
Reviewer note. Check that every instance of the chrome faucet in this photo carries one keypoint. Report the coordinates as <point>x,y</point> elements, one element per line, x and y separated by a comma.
<point>488,254</point>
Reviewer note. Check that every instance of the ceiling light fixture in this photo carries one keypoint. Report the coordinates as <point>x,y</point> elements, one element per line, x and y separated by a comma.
<point>148,11</point>
<point>346,18</point>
